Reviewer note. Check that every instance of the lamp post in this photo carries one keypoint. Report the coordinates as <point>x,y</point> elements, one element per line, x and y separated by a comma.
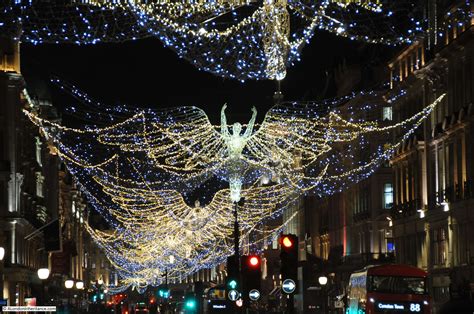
<point>43,274</point>
<point>2,255</point>
<point>323,280</point>
<point>69,284</point>
<point>80,287</point>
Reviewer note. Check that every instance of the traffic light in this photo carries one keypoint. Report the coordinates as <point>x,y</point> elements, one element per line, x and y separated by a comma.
<point>233,274</point>
<point>251,275</point>
<point>163,292</point>
<point>289,258</point>
<point>190,304</point>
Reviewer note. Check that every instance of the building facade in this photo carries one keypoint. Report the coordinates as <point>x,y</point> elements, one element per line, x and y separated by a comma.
<point>433,171</point>
<point>36,192</point>
<point>416,209</point>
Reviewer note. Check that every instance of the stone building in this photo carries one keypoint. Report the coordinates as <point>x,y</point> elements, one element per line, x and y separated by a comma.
<point>416,209</point>
<point>35,192</point>
<point>434,170</point>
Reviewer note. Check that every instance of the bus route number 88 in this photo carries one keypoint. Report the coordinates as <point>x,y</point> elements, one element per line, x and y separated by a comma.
<point>415,307</point>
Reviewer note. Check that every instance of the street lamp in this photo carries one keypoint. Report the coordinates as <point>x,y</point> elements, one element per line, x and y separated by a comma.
<point>69,284</point>
<point>2,255</point>
<point>80,285</point>
<point>323,280</point>
<point>43,274</point>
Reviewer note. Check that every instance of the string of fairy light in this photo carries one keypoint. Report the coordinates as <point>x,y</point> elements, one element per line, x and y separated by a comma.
<point>143,170</point>
<point>235,39</point>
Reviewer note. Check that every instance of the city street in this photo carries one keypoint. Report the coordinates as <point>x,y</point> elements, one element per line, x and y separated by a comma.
<point>237,156</point>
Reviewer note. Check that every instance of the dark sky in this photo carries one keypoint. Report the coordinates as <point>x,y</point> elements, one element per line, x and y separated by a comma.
<point>144,73</point>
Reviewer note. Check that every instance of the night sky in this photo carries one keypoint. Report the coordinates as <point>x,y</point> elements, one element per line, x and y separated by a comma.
<point>146,74</point>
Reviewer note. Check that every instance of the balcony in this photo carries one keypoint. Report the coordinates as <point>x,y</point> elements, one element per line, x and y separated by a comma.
<point>456,193</point>
<point>406,209</point>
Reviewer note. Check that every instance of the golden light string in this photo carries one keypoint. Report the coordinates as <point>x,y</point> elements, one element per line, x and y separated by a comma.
<point>283,145</point>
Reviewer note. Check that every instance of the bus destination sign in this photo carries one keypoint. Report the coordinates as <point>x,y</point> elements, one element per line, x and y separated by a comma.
<point>405,307</point>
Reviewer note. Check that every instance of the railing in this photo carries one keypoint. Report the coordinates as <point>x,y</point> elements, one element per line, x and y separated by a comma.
<point>406,209</point>
<point>452,194</point>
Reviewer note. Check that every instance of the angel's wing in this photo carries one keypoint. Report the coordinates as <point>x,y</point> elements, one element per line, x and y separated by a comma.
<point>148,205</point>
<point>287,138</point>
<point>179,139</point>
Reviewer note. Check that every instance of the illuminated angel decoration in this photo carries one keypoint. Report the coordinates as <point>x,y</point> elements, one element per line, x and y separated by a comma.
<point>235,144</point>
<point>295,144</point>
<point>236,141</point>
<point>195,236</point>
<point>143,169</point>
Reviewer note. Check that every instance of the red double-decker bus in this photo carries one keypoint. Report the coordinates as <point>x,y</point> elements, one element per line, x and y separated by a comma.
<point>388,289</point>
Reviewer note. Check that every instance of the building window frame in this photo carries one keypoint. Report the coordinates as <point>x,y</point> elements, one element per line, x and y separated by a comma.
<point>387,198</point>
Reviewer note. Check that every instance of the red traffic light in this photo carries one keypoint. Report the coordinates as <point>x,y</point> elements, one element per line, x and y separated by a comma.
<point>254,261</point>
<point>286,242</point>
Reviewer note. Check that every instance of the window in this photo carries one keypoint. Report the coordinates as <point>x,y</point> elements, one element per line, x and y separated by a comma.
<point>39,184</point>
<point>390,245</point>
<point>41,213</point>
<point>387,195</point>
<point>38,150</point>
<point>387,114</point>
<point>439,246</point>
<point>85,260</point>
<point>397,284</point>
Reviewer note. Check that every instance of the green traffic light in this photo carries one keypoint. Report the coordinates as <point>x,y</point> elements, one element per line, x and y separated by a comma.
<point>190,304</point>
<point>233,284</point>
<point>164,293</point>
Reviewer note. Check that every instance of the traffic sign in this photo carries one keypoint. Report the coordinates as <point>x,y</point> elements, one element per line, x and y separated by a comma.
<point>254,294</point>
<point>233,295</point>
<point>288,286</point>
